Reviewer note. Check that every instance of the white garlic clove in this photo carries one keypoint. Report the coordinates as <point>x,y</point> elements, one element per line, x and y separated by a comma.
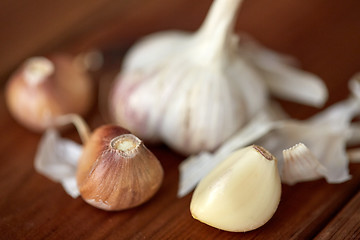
<point>300,165</point>
<point>241,194</point>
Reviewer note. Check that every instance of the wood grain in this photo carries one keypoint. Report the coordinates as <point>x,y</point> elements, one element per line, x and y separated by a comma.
<point>322,34</point>
<point>346,224</point>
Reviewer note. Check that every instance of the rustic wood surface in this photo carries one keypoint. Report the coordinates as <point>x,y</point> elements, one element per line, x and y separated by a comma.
<point>346,223</point>
<point>324,35</point>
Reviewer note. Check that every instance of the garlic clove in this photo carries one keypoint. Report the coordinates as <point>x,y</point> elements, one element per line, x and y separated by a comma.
<point>44,88</point>
<point>300,165</point>
<point>241,194</point>
<point>116,171</point>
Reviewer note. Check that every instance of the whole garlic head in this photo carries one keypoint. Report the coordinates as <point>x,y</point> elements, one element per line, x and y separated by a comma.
<point>241,194</point>
<point>194,90</point>
<point>190,90</point>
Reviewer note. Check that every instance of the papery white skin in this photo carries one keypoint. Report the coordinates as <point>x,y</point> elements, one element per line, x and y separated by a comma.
<point>194,90</point>
<point>301,165</point>
<point>57,158</point>
<point>282,75</point>
<point>326,135</point>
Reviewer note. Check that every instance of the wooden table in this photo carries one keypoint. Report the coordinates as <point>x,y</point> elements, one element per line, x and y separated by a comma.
<point>33,207</point>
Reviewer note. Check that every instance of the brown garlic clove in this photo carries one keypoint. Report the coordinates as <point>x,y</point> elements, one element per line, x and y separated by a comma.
<point>45,88</point>
<point>116,171</point>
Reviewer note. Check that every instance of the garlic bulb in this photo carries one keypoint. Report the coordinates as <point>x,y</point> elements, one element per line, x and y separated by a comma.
<point>241,194</point>
<point>193,91</point>
<point>116,171</point>
<point>44,88</point>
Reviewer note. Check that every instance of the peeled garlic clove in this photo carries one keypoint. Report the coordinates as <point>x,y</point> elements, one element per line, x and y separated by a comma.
<point>44,88</point>
<point>300,165</point>
<point>116,171</point>
<point>241,194</point>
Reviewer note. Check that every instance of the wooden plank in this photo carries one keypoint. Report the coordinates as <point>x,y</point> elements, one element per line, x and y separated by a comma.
<point>346,224</point>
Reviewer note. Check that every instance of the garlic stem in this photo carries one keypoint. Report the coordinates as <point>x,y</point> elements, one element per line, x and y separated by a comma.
<point>79,123</point>
<point>217,29</point>
<point>37,69</point>
<point>126,144</point>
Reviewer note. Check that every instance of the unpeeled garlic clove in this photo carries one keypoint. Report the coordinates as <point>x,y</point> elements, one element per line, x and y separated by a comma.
<point>116,171</point>
<point>241,194</point>
<point>45,88</point>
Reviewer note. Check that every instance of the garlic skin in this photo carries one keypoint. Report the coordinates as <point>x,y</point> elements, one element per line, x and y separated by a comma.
<point>56,158</point>
<point>44,88</point>
<point>116,171</point>
<point>241,194</point>
<point>300,165</point>
<point>195,90</point>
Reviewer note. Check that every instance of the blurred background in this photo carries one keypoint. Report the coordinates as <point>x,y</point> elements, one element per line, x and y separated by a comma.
<point>324,35</point>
